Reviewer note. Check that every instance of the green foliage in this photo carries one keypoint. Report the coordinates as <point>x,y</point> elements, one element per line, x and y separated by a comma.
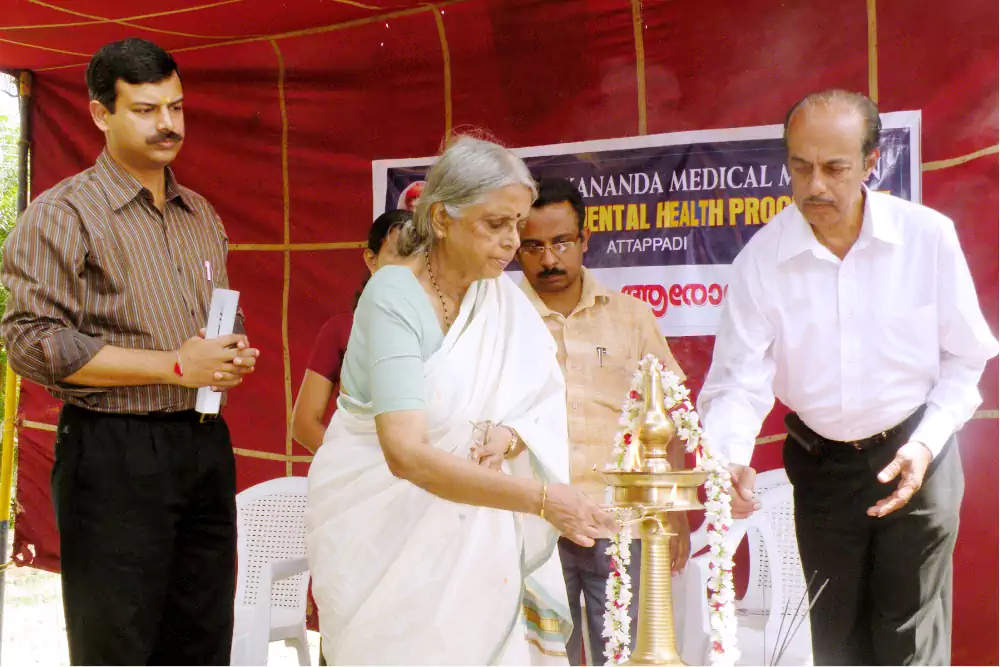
<point>8,184</point>
<point>9,136</point>
<point>8,173</point>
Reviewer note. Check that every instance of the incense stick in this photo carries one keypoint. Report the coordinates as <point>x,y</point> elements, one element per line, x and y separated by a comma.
<point>802,620</point>
<point>779,640</point>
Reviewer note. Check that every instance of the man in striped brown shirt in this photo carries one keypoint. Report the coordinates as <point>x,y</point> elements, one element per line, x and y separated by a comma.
<point>110,275</point>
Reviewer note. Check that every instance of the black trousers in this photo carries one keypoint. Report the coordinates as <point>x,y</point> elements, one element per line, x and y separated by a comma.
<point>889,597</point>
<point>147,525</point>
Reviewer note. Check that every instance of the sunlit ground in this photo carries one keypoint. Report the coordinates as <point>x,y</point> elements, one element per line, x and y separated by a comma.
<point>34,632</point>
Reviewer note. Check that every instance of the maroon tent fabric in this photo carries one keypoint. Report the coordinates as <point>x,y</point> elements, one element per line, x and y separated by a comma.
<point>287,104</point>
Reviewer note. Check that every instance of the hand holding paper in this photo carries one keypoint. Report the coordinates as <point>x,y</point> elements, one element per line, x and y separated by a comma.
<point>216,359</point>
<point>216,362</point>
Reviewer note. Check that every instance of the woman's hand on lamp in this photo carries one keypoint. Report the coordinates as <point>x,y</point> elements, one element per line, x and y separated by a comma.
<point>576,516</point>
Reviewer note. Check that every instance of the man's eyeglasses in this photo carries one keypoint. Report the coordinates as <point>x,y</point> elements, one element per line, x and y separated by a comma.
<point>538,249</point>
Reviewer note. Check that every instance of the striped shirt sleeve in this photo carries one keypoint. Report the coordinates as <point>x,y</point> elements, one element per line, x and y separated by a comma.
<point>43,260</point>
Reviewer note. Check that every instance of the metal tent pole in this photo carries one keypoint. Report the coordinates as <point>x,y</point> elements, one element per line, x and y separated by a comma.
<point>24,83</point>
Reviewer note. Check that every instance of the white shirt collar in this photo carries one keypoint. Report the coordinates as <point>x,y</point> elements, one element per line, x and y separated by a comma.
<point>886,226</point>
<point>877,223</point>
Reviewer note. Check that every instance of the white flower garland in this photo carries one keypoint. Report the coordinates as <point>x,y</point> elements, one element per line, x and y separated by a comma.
<point>718,516</point>
<point>618,596</point>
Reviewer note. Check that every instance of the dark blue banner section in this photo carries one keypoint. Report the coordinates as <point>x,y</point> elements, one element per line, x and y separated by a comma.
<point>682,204</point>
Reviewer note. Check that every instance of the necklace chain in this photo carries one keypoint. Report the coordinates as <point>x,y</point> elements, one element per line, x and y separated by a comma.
<point>434,283</point>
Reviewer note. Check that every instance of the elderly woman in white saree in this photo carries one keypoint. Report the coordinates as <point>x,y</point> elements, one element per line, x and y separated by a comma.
<point>435,506</point>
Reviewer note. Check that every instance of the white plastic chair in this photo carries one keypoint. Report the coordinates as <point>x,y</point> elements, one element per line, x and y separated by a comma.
<point>771,607</point>
<point>273,575</point>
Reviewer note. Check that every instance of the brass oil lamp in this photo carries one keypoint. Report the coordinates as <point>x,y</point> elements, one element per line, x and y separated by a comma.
<point>649,489</point>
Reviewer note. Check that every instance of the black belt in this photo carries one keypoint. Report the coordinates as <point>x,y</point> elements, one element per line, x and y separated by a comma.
<point>175,416</point>
<point>816,444</point>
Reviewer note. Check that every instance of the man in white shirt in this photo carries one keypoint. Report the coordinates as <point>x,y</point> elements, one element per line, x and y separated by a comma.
<point>858,311</point>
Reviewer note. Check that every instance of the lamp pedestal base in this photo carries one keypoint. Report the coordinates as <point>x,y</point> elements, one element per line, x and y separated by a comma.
<point>655,641</point>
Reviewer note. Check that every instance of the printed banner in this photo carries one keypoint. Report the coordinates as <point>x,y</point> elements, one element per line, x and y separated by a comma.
<point>669,212</point>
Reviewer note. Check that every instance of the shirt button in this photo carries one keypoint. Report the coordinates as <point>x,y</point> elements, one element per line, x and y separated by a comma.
<point>576,406</point>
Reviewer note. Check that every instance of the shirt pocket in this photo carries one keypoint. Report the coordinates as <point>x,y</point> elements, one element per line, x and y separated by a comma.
<point>108,262</point>
<point>611,375</point>
<point>910,337</point>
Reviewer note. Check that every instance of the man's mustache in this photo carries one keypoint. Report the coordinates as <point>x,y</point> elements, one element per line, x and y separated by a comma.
<point>819,200</point>
<point>164,136</point>
<point>548,273</point>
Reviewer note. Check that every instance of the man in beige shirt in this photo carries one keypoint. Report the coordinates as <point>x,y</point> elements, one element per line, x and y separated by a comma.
<point>601,336</point>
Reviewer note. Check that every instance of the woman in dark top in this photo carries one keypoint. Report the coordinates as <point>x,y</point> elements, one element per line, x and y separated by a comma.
<point>317,393</point>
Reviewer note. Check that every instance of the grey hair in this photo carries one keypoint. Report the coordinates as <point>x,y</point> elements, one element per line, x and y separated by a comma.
<point>467,170</point>
<point>861,103</point>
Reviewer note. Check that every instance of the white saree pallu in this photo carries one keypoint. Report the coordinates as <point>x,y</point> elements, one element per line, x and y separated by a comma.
<point>402,576</point>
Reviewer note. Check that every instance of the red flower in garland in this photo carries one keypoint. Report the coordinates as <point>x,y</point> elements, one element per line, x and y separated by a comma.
<point>719,558</point>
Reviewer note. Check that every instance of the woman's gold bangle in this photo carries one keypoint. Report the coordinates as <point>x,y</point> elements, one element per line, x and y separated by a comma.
<point>545,495</point>
<point>512,444</point>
